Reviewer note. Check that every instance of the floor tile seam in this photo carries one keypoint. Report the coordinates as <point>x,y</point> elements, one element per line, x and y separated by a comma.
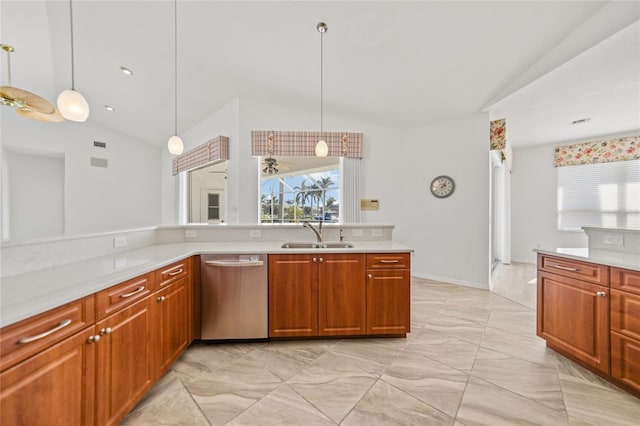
<point>364,394</point>
<point>419,400</point>
<point>204,416</point>
<point>307,400</point>
<point>475,359</point>
<point>477,323</point>
<point>564,410</point>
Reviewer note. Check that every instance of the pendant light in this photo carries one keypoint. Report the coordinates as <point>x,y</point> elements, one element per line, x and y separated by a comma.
<point>72,105</point>
<point>175,145</point>
<point>322,149</point>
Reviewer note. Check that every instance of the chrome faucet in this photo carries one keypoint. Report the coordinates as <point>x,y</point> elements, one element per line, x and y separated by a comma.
<point>318,231</point>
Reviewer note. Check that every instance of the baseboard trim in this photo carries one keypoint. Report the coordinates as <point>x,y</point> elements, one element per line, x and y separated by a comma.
<point>450,280</point>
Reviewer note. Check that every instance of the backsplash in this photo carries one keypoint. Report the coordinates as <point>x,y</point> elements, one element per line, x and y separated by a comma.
<point>33,256</point>
<point>614,239</point>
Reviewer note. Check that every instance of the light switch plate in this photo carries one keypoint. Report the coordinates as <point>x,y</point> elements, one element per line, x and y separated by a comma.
<point>119,242</point>
<point>376,232</point>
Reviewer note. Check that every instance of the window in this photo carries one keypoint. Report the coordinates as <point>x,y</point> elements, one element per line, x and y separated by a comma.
<point>603,195</point>
<point>296,189</point>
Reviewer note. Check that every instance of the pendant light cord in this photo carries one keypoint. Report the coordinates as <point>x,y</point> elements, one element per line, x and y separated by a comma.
<point>72,61</point>
<point>321,83</point>
<point>175,67</point>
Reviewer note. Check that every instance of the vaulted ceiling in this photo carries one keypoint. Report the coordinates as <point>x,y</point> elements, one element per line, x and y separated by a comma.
<point>394,63</point>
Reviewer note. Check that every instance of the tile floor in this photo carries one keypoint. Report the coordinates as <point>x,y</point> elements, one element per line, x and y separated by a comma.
<point>472,358</point>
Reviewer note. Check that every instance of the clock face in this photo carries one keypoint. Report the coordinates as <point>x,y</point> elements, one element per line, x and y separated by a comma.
<point>442,186</point>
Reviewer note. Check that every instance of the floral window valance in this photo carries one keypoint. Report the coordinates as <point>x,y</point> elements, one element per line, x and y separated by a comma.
<point>498,140</point>
<point>607,151</point>
<point>302,144</point>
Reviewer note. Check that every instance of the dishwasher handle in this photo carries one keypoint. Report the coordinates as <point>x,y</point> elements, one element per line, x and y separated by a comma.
<point>234,263</point>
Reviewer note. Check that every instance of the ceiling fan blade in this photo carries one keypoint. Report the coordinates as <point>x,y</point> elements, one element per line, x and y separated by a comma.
<point>21,98</point>
<point>54,117</point>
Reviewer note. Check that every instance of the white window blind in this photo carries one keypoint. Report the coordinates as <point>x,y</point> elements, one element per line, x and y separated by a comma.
<point>600,195</point>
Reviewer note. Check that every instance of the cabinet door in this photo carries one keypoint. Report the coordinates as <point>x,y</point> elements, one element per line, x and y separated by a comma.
<point>573,317</point>
<point>54,387</point>
<point>342,301</point>
<point>293,295</point>
<point>124,361</point>
<point>172,323</point>
<point>388,302</point>
<point>625,360</point>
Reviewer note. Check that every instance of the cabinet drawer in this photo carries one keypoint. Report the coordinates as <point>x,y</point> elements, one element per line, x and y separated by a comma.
<point>589,272</point>
<point>625,279</point>
<point>625,360</point>
<point>121,295</point>
<point>173,272</point>
<point>625,313</point>
<point>26,338</point>
<point>388,261</point>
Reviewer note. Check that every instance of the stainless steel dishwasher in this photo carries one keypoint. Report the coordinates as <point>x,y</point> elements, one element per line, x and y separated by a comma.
<point>235,297</point>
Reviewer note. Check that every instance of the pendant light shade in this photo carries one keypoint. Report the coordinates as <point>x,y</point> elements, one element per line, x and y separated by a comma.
<point>175,145</point>
<point>72,105</point>
<point>322,149</point>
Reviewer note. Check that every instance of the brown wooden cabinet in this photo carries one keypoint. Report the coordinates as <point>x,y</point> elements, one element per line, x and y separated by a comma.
<point>573,309</point>
<point>388,293</point>
<point>339,294</point>
<point>625,326</point>
<point>55,385</point>
<point>342,301</point>
<point>125,367</point>
<point>293,295</point>
<point>318,294</point>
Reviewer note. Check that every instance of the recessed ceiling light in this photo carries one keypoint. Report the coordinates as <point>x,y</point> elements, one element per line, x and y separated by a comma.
<point>581,121</point>
<point>126,70</point>
<point>109,108</point>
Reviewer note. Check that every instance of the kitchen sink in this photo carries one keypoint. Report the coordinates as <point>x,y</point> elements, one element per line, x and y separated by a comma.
<point>303,245</point>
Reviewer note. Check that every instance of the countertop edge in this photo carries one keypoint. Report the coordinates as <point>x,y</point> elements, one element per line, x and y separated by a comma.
<point>603,257</point>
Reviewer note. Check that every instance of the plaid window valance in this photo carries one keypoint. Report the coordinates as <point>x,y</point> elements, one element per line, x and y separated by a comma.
<point>214,150</point>
<point>303,144</point>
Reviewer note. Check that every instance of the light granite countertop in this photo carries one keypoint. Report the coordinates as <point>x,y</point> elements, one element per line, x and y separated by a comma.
<point>31,293</point>
<point>603,257</point>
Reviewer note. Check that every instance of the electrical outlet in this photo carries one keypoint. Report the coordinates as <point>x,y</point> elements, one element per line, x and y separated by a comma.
<point>190,233</point>
<point>119,242</point>
<point>356,233</point>
<point>615,240</point>
<point>376,232</point>
<point>255,233</point>
<point>120,263</point>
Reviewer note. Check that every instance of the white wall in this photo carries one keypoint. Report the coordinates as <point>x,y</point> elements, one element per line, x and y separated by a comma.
<point>450,236</point>
<point>125,195</point>
<point>35,190</point>
<point>534,202</point>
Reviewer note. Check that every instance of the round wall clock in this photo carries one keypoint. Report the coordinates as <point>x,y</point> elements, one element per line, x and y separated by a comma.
<point>442,186</point>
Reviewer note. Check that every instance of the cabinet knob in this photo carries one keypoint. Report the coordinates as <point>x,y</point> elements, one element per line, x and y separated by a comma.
<point>160,299</point>
<point>93,339</point>
<point>601,294</point>
<point>321,260</point>
<point>105,331</point>
<point>314,260</point>
<point>369,276</point>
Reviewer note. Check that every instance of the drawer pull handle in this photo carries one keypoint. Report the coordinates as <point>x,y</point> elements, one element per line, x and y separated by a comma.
<point>389,261</point>
<point>565,268</point>
<point>174,273</point>
<point>601,294</point>
<point>136,291</point>
<point>58,327</point>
